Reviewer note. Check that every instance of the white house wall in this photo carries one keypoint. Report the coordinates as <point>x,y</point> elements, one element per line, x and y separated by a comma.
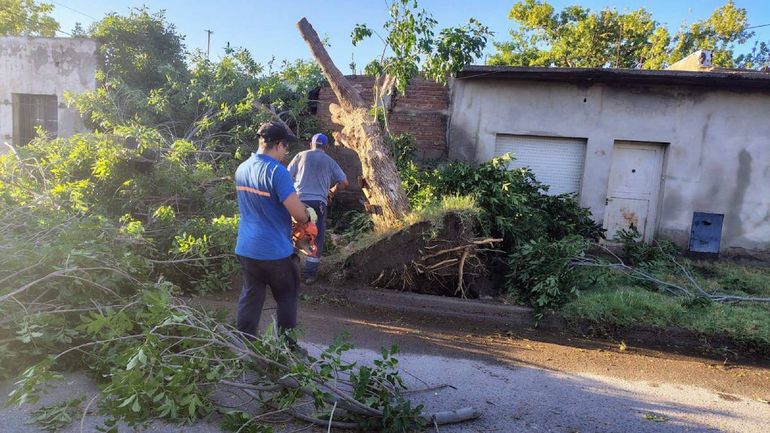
<point>45,66</point>
<point>717,156</point>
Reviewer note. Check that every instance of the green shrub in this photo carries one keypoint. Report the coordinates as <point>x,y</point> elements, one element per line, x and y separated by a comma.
<point>540,232</point>
<point>638,253</point>
<point>540,271</point>
<point>513,204</point>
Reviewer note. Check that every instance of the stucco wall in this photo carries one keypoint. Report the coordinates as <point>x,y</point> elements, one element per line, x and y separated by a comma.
<point>717,156</point>
<point>46,66</point>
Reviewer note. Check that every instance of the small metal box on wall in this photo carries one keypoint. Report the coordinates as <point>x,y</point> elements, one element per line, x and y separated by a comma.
<point>706,232</point>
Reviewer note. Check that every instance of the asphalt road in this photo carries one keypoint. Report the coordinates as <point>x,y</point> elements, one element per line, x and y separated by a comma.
<point>521,380</point>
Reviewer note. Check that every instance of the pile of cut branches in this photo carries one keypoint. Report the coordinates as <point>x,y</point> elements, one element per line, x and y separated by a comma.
<point>80,289</point>
<point>175,361</point>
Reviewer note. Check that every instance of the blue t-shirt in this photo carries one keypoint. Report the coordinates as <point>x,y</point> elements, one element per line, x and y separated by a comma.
<point>264,230</point>
<point>314,172</point>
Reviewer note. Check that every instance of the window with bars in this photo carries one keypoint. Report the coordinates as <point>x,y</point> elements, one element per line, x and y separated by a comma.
<point>31,111</point>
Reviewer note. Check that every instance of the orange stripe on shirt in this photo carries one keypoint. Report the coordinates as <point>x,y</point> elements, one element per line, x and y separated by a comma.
<point>252,190</point>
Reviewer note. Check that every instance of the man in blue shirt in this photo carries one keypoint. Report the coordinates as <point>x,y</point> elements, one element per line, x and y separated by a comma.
<point>267,202</point>
<point>315,173</point>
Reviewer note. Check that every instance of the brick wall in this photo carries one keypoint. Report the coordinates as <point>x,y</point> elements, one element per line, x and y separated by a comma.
<point>422,112</point>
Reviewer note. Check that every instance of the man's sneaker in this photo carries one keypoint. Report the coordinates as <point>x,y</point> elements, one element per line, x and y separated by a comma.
<point>309,280</point>
<point>298,350</point>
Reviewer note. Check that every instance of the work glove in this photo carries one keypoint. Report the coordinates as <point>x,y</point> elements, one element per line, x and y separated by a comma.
<point>312,215</point>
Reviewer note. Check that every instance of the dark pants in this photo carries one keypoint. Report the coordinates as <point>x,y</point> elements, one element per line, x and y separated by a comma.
<point>311,263</point>
<point>283,278</point>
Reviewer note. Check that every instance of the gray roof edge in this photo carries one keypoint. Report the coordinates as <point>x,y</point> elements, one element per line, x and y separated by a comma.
<point>719,78</point>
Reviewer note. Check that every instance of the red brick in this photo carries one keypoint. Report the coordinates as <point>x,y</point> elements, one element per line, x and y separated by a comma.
<point>421,112</point>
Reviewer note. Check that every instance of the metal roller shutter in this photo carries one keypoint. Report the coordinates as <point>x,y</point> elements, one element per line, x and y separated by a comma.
<point>556,161</point>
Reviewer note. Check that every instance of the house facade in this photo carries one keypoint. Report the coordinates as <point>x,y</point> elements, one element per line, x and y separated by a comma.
<point>681,155</point>
<point>35,73</point>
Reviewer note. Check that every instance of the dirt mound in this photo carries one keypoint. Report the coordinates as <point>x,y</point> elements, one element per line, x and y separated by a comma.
<point>446,258</point>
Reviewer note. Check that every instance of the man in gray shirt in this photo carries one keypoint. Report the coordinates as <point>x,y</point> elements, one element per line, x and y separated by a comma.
<point>315,173</point>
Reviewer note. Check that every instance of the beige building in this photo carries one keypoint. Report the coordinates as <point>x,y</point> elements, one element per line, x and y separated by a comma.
<point>683,155</point>
<point>35,73</point>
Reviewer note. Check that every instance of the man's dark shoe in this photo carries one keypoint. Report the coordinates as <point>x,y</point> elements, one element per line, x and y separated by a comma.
<point>298,350</point>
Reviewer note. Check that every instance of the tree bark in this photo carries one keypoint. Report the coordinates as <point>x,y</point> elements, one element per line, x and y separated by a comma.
<point>381,183</point>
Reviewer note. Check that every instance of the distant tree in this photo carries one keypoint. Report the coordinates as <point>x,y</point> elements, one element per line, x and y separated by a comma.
<point>78,31</point>
<point>578,37</point>
<point>26,18</point>
<point>720,33</point>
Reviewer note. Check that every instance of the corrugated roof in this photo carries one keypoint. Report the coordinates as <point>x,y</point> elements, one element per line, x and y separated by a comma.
<point>717,78</point>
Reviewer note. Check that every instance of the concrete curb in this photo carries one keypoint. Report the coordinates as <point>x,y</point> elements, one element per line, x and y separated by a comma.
<point>513,316</point>
<point>441,306</point>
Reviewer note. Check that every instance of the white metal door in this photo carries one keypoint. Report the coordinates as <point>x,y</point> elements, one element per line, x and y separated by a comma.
<point>633,189</point>
<point>556,161</point>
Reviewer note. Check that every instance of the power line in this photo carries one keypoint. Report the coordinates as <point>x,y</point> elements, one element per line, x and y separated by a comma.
<point>756,27</point>
<point>75,10</point>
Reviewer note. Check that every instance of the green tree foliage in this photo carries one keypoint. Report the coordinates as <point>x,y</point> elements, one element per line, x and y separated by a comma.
<point>101,233</point>
<point>578,37</point>
<point>216,105</point>
<point>720,32</point>
<point>412,45</point>
<point>513,204</point>
<point>140,49</point>
<point>27,18</point>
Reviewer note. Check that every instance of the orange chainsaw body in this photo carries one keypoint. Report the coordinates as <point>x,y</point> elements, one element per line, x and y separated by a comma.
<point>304,236</point>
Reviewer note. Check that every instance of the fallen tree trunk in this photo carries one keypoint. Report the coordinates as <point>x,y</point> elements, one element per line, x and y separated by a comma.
<point>380,182</point>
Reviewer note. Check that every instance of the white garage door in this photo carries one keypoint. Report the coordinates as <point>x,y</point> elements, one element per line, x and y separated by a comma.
<point>556,161</point>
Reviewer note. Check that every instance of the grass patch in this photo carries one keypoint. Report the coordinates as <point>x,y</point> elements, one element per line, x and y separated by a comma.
<point>748,325</point>
<point>463,205</point>
<point>733,278</point>
<point>625,306</point>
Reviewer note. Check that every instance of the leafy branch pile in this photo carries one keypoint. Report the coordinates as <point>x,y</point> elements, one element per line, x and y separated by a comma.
<point>101,232</point>
<point>164,359</point>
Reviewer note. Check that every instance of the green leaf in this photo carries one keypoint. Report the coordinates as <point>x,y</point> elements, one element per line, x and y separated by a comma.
<point>127,401</point>
<point>136,407</point>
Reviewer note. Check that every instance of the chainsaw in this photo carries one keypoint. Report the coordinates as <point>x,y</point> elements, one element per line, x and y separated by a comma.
<point>304,235</point>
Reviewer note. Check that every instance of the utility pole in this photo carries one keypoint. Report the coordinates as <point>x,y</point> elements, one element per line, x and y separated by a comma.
<point>208,43</point>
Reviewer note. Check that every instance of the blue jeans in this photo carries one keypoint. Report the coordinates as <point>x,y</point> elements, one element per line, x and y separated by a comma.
<point>311,263</point>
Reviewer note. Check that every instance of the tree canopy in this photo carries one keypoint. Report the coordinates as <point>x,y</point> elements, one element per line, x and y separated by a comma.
<point>148,78</point>
<point>26,18</point>
<point>579,37</point>
<point>412,45</point>
<point>141,48</point>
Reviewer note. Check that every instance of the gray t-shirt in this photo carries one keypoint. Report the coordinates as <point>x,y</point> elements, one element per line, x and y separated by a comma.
<point>314,172</point>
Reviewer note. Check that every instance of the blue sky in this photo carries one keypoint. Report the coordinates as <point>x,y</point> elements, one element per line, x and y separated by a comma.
<point>267,28</point>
